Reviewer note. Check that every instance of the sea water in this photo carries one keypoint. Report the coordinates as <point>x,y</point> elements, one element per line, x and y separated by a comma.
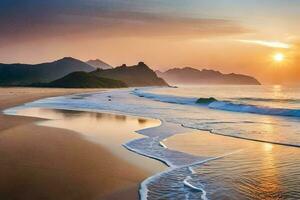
<point>250,149</point>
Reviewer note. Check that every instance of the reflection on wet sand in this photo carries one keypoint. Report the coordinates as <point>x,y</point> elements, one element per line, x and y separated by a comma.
<point>53,163</point>
<point>109,130</point>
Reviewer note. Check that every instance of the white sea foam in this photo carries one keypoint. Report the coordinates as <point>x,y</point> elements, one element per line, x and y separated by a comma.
<point>188,184</point>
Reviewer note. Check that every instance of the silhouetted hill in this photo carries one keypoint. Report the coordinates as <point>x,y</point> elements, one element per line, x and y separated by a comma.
<point>83,80</point>
<point>137,75</point>
<point>26,74</point>
<point>99,64</point>
<point>194,76</point>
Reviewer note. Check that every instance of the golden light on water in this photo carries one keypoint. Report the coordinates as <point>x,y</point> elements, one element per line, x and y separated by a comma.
<point>268,147</point>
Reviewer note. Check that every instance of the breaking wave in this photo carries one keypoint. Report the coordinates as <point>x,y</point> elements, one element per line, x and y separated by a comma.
<point>232,106</point>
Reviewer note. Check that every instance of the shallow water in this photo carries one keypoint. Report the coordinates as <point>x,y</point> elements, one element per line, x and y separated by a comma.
<point>264,113</point>
<point>250,170</point>
<point>109,130</point>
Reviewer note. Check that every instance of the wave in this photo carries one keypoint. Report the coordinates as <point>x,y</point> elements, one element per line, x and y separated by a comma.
<point>214,103</point>
<point>280,100</point>
<point>248,108</point>
<point>190,185</point>
<point>165,98</point>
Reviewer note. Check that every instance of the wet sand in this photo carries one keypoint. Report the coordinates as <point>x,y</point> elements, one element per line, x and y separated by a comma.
<point>40,162</point>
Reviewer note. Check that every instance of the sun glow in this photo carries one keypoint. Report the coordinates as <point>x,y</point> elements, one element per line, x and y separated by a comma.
<point>278,57</point>
<point>268,147</point>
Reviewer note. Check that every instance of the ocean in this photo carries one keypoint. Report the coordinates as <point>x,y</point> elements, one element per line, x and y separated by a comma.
<point>220,142</point>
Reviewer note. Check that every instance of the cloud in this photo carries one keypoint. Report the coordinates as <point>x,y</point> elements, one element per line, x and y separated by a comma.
<point>272,44</point>
<point>33,19</point>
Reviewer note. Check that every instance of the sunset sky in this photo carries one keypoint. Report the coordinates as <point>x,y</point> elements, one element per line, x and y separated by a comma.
<point>231,36</point>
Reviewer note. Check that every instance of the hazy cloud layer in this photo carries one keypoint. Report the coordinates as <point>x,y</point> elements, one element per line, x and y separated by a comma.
<point>272,44</point>
<point>23,20</point>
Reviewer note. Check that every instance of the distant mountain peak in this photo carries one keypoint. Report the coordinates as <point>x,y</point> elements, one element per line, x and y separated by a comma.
<point>66,59</point>
<point>142,64</point>
<point>184,69</point>
<point>189,75</point>
<point>139,64</point>
<point>97,63</point>
<point>136,75</point>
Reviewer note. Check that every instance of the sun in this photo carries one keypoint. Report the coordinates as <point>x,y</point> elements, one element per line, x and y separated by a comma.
<point>278,57</point>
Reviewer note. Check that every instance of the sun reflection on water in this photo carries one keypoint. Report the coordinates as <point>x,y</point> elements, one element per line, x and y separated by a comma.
<point>268,147</point>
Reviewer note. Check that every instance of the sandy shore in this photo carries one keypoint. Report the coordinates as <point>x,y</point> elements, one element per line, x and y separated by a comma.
<point>58,164</point>
<point>11,96</point>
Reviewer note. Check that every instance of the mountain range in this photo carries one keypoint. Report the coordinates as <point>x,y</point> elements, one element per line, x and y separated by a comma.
<point>133,76</point>
<point>26,74</point>
<point>193,76</point>
<point>96,73</point>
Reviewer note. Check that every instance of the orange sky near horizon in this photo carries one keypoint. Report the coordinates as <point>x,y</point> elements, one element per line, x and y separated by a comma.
<point>200,35</point>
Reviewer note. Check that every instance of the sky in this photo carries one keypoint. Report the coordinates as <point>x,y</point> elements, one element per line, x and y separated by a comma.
<point>240,36</point>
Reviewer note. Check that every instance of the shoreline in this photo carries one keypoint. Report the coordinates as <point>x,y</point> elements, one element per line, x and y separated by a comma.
<point>18,125</point>
<point>187,152</point>
<point>14,96</point>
